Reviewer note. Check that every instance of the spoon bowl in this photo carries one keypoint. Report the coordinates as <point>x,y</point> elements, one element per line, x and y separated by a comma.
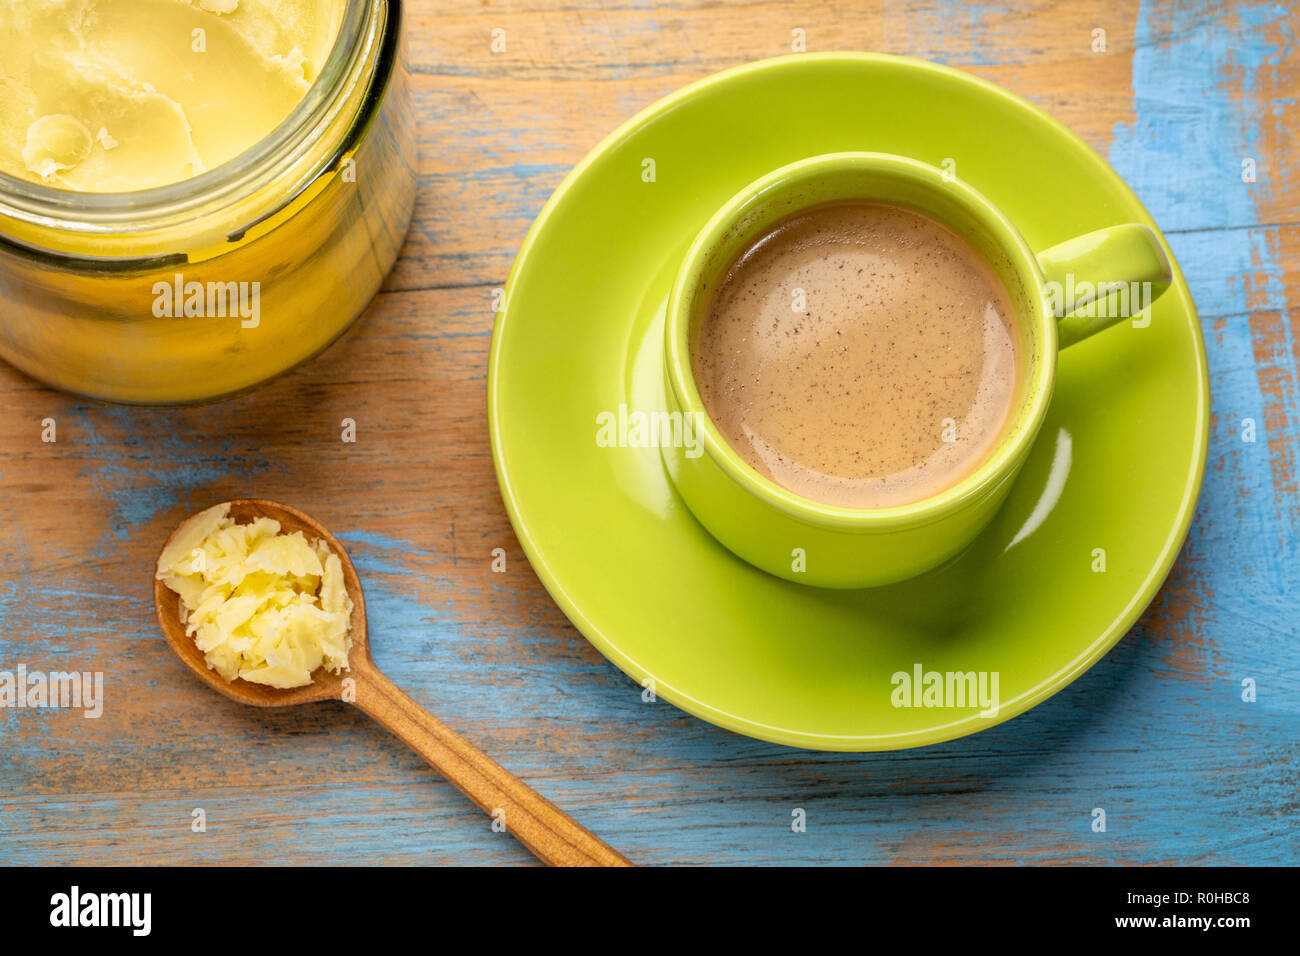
<point>324,685</point>
<point>553,836</point>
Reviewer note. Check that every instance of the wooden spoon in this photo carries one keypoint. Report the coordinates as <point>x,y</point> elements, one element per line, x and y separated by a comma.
<point>554,837</point>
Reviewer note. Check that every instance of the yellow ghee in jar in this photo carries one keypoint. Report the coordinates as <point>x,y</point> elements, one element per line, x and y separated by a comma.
<point>119,95</point>
<point>295,233</point>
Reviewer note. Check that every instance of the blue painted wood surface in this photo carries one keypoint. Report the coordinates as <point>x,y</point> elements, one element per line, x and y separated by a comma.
<point>1157,733</point>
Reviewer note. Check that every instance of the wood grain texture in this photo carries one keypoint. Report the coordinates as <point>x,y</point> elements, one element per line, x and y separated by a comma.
<point>1157,733</point>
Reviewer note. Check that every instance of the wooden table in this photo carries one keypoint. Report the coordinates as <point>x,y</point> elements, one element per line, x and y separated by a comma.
<point>1157,733</point>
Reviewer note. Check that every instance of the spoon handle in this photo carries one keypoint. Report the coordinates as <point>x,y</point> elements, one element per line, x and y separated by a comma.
<point>553,836</point>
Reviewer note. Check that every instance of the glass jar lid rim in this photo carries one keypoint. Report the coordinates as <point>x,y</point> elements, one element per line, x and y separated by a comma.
<point>27,200</point>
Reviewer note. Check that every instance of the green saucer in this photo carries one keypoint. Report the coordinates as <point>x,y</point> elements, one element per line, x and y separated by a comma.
<point>1092,525</point>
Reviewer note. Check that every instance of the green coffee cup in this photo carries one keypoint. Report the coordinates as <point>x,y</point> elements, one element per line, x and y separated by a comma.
<point>809,542</point>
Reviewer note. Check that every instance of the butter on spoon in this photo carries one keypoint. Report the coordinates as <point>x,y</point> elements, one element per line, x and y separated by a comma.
<point>550,834</point>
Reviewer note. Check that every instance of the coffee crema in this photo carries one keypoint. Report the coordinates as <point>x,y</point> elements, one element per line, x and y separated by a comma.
<point>859,354</point>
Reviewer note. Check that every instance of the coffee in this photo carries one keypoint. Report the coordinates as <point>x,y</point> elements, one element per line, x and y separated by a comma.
<point>859,354</point>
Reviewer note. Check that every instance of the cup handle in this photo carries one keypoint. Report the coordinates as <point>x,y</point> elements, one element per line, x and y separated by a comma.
<point>1121,270</point>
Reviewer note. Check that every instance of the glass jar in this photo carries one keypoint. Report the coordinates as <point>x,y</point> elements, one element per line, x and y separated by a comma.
<point>205,287</point>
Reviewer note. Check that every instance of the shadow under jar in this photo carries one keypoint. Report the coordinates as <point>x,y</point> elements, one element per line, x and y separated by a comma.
<point>208,286</point>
